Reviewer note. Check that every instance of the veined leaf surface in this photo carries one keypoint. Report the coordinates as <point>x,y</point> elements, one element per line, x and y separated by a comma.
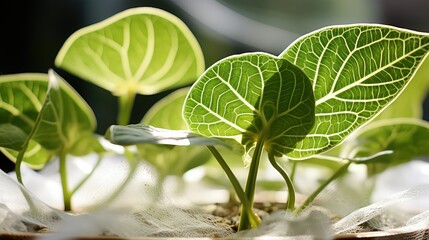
<point>140,50</point>
<point>409,104</point>
<point>356,71</point>
<point>252,97</point>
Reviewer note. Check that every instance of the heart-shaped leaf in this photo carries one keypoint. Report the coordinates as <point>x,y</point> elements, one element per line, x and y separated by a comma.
<point>140,50</point>
<point>252,97</point>
<point>356,71</point>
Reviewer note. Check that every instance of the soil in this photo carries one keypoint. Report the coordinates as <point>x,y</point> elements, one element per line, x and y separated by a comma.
<point>229,213</point>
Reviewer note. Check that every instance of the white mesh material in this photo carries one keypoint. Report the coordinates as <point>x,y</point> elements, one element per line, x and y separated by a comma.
<point>142,210</point>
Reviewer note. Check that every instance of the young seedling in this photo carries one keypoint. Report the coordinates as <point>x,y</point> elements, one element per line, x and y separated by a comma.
<point>322,88</point>
<point>141,50</point>
<point>296,106</point>
<point>45,118</point>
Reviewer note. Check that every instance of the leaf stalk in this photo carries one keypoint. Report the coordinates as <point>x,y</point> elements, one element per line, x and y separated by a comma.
<point>313,196</point>
<point>290,205</point>
<point>126,103</point>
<point>247,207</point>
<point>64,182</point>
<point>251,182</point>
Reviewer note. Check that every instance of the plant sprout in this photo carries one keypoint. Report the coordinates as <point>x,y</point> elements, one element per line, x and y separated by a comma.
<point>327,89</point>
<point>60,124</point>
<point>323,87</point>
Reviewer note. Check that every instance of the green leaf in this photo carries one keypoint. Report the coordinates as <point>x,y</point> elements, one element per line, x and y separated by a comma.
<point>21,99</point>
<point>410,103</point>
<point>140,50</point>
<point>167,114</point>
<point>11,136</point>
<point>46,109</point>
<point>406,137</point>
<point>252,97</point>
<point>64,120</point>
<point>356,71</point>
<point>139,133</point>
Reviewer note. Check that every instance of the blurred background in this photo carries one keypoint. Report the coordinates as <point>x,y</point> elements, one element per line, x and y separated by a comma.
<point>32,32</point>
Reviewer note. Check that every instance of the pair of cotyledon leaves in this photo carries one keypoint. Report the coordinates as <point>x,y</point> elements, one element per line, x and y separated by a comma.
<point>307,100</point>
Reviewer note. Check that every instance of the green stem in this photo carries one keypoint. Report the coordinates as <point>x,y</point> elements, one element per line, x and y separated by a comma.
<point>133,163</point>
<point>293,170</point>
<point>64,182</point>
<point>313,196</point>
<point>33,209</point>
<point>82,182</point>
<point>126,103</point>
<point>255,220</point>
<point>18,163</point>
<point>290,206</point>
<point>251,182</point>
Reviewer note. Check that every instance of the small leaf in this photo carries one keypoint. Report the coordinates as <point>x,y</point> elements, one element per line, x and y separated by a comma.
<point>251,97</point>
<point>65,119</point>
<point>356,71</point>
<point>406,137</point>
<point>139,133</point>
<point>167,114</point>
<point>11,136</point>
<point>140,50</point>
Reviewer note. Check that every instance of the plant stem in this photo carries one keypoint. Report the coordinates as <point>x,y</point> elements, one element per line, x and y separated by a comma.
<point>255,220</point>
<point>126,103</point>
<point>311,198</point>
<point>100,157</point>
<point>293,170</point>
<point>251,182</point>
<point>290,205</point>
<point>64,182</point>
<point>133,163</point>
<point>18,163</point>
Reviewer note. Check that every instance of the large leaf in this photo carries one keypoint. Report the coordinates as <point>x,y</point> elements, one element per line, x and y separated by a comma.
<point>356,71</point>
<point>21,99</point>
<point>141,50</point>
<point>406,137</point>
<point>252,97</point>
<point>167,113</point>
